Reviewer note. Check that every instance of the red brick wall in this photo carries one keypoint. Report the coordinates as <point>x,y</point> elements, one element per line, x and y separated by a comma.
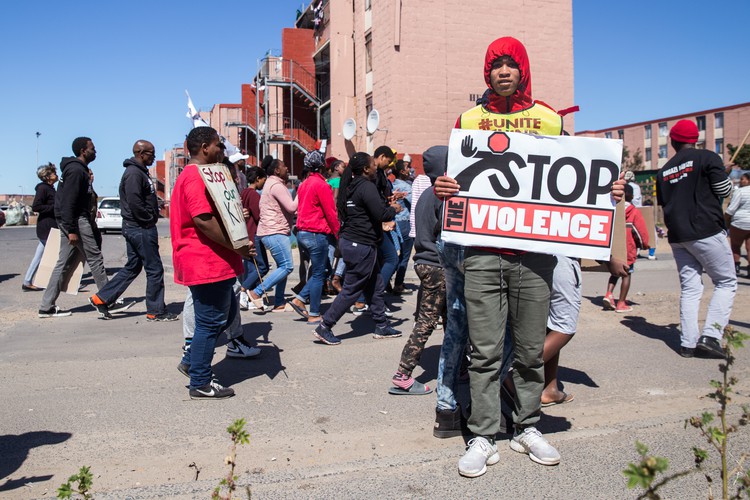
<point>299,45</point>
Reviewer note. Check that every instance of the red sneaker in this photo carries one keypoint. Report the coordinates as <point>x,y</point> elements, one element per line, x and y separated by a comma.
<point>609,302</point>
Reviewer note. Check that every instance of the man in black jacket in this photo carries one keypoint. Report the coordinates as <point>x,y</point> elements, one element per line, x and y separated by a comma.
<point>140,212</point>
<point>689,187</point>
<point>77,235</point>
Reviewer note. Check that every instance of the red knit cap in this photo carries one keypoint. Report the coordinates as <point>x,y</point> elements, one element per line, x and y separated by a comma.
<point>330,161</point>
<point>684,131</point>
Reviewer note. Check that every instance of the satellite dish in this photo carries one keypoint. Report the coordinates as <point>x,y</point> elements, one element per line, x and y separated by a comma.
<point>373,121</point>
<point>349,129</point>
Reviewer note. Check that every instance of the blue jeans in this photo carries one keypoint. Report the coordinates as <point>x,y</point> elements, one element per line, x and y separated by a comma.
<point>252,278</point>
<point>214,304</point>
<point>31,271</point>
<point>316,246</point>
<point>281,250</point>
<point>143,253</point>
<point>456,333</point>
<point>388,258</point>
<point>404,252</point>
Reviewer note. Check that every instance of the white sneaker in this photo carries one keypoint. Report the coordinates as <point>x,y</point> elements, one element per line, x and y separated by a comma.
<point>479,454</point>
<point>238,348</point>
<point>244,302</point>
<point>531,442</point>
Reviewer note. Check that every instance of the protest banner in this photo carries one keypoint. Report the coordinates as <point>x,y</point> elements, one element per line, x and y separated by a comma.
<point>534,193</point>
<point>71,282</point>
<point>223,192</point>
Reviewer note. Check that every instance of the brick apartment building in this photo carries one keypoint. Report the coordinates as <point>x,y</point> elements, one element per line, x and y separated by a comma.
<point>418,63</point>
<point>718,127</point>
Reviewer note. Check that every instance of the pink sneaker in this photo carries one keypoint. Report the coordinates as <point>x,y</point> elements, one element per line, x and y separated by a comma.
<point>623,307</point>
<point>609,302</point>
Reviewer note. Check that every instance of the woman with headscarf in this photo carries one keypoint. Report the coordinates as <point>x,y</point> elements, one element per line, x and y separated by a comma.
<point>317,228</point>
<point>44,205</point>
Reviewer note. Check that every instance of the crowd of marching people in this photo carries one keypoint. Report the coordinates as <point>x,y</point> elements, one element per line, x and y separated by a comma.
<point>359,224</point>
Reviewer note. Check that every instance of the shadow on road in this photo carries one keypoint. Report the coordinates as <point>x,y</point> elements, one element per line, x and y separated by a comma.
<point>565,374</point>
<point>6,277</point>
<point>235,370</point>
<point>15,449</point>
<point>669,334</point>
<point>740,324</point>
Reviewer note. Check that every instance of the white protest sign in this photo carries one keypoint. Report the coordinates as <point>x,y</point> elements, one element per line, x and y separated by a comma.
<point>223,191</point>
<point>534,193</point>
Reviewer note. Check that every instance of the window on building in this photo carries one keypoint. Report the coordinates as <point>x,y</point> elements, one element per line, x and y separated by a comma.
<point>719,149</point>
<point>621,134</point>
<point>662,131</point>
<point>648,154</point>
<point>607,135</point>
<point>663,151</point>
<point>719,120</point>
<point>368,52</point>
<point>368,4</point>
<point>647,129</point>
<point>700,145</point>
<point>368,104</point>
<point>701,122</point>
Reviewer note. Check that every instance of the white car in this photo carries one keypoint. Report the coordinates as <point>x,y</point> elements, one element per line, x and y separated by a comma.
<point>108,216</point>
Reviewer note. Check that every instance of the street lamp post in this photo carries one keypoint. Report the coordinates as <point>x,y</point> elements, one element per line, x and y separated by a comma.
<point>37,148</point>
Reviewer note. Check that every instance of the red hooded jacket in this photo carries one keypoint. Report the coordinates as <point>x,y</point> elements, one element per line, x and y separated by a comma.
<point>521,99</point>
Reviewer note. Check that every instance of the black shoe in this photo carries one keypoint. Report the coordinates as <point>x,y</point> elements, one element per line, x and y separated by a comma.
<point>212,390</point>
<point>184,369</point>
<point>386,332</point>
<point>687,352</point>
<point>53,312</point>
<point>449,423</point>
<point>325,335</point>
<point>710,347</point>
<point>119,306</point>
<point>101,309</point>
<point>164,317</point>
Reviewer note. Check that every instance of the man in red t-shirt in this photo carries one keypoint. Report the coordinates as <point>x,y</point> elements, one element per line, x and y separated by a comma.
<point>204,260</point>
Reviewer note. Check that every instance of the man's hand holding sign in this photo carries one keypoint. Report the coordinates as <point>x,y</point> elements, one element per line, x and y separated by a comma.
<point>535,193</point>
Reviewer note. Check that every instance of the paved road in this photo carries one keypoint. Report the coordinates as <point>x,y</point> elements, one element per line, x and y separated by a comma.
<point>81,391</point>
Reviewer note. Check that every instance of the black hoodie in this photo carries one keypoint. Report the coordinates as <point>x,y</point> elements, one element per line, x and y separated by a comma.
<point>72,200</point>
<point>138,204</point>
<point>427,211</point>
<point>365,213</point>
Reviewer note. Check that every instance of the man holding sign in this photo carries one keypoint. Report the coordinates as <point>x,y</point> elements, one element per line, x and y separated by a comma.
<point>204,259</point>
<point>528,201</point>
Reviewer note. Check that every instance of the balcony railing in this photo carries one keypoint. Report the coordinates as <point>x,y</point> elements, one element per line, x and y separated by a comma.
<point>287,71</point>
<point>283,128</point>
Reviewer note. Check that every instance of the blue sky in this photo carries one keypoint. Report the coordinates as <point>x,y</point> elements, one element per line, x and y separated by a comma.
<point>117,71</point>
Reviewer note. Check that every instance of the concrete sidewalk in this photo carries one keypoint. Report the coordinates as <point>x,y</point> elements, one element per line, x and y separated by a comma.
<point>81,391</point>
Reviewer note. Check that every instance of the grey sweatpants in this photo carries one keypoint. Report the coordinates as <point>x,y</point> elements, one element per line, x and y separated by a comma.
<point>713,256</point>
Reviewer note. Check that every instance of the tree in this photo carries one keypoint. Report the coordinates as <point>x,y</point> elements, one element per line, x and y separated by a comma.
<point>743,157</point>
<point>634,163</point>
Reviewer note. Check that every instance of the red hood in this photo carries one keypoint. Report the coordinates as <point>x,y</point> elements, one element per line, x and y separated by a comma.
<point>521,99</point>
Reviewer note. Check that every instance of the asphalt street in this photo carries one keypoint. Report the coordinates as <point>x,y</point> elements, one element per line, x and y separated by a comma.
<point>82,391</point>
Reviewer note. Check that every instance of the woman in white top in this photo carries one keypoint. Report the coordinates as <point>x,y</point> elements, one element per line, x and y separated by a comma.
<point>739,230</point>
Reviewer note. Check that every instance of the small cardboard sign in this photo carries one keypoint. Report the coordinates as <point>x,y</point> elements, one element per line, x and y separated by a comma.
<point>223,191</point>
<point>619,244</point>
<point>70,282</point>
<point>535,193</point>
